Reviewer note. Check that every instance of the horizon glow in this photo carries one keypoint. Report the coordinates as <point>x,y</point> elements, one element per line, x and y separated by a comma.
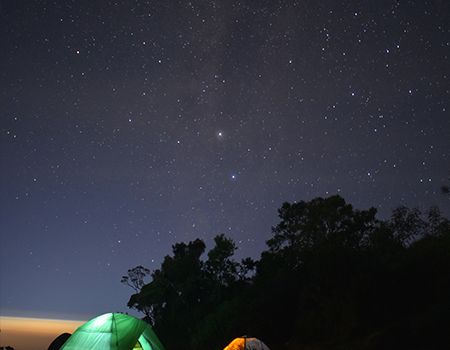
<point>24,333</point>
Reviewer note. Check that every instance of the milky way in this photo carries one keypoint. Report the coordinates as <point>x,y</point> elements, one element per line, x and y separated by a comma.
<point>129,126</point>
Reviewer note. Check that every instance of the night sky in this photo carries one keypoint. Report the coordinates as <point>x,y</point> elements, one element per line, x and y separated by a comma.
<point>129,126</point>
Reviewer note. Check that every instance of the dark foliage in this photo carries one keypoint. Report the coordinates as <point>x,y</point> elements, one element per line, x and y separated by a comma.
<point>445,189</point>
<point>333,277</point>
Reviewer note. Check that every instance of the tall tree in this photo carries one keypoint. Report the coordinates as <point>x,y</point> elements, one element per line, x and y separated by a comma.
<point>135,280</point>
<point>313,255</point>
<point>186,289</point>
<point>178,282</point>
<point>445,189</point>
<point>307,226</point>
<point>219,263</point>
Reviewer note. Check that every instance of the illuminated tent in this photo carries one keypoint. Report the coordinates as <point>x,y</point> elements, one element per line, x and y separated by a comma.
<point>244,343</point>
<point>113,332</point>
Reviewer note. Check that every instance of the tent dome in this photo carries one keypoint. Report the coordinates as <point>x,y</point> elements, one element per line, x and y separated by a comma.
<point>113,331</point>
<point>59,341</point>
<point>244,343</point>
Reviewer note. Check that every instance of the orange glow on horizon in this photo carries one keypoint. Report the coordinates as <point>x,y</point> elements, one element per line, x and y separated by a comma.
<point>33,333</point>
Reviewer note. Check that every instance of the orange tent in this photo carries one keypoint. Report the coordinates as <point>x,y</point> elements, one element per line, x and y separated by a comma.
<point>244,343</point>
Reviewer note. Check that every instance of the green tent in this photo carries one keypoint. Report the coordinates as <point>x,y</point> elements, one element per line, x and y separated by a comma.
<point>113,332</point>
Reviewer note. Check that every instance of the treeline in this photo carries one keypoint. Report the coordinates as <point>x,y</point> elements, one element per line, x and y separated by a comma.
<point>333,277</point>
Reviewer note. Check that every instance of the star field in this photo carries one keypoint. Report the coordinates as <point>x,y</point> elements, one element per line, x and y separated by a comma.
<point>128,126</point>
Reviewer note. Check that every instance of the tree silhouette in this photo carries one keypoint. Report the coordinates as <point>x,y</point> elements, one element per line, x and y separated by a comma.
<point>176,283</point>
<point>135,278</point>
<point>307,226</point>
<point>445,189</point>
<point>332,277</point>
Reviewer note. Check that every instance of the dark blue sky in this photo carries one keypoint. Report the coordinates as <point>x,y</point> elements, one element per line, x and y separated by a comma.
<point>129,126</point>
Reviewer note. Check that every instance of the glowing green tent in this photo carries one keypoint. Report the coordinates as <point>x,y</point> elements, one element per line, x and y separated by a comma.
<point>113,332</point>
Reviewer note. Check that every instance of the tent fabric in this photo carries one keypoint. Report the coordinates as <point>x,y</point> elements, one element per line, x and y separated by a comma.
<point>113,331</point>
<point>244,343</point>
